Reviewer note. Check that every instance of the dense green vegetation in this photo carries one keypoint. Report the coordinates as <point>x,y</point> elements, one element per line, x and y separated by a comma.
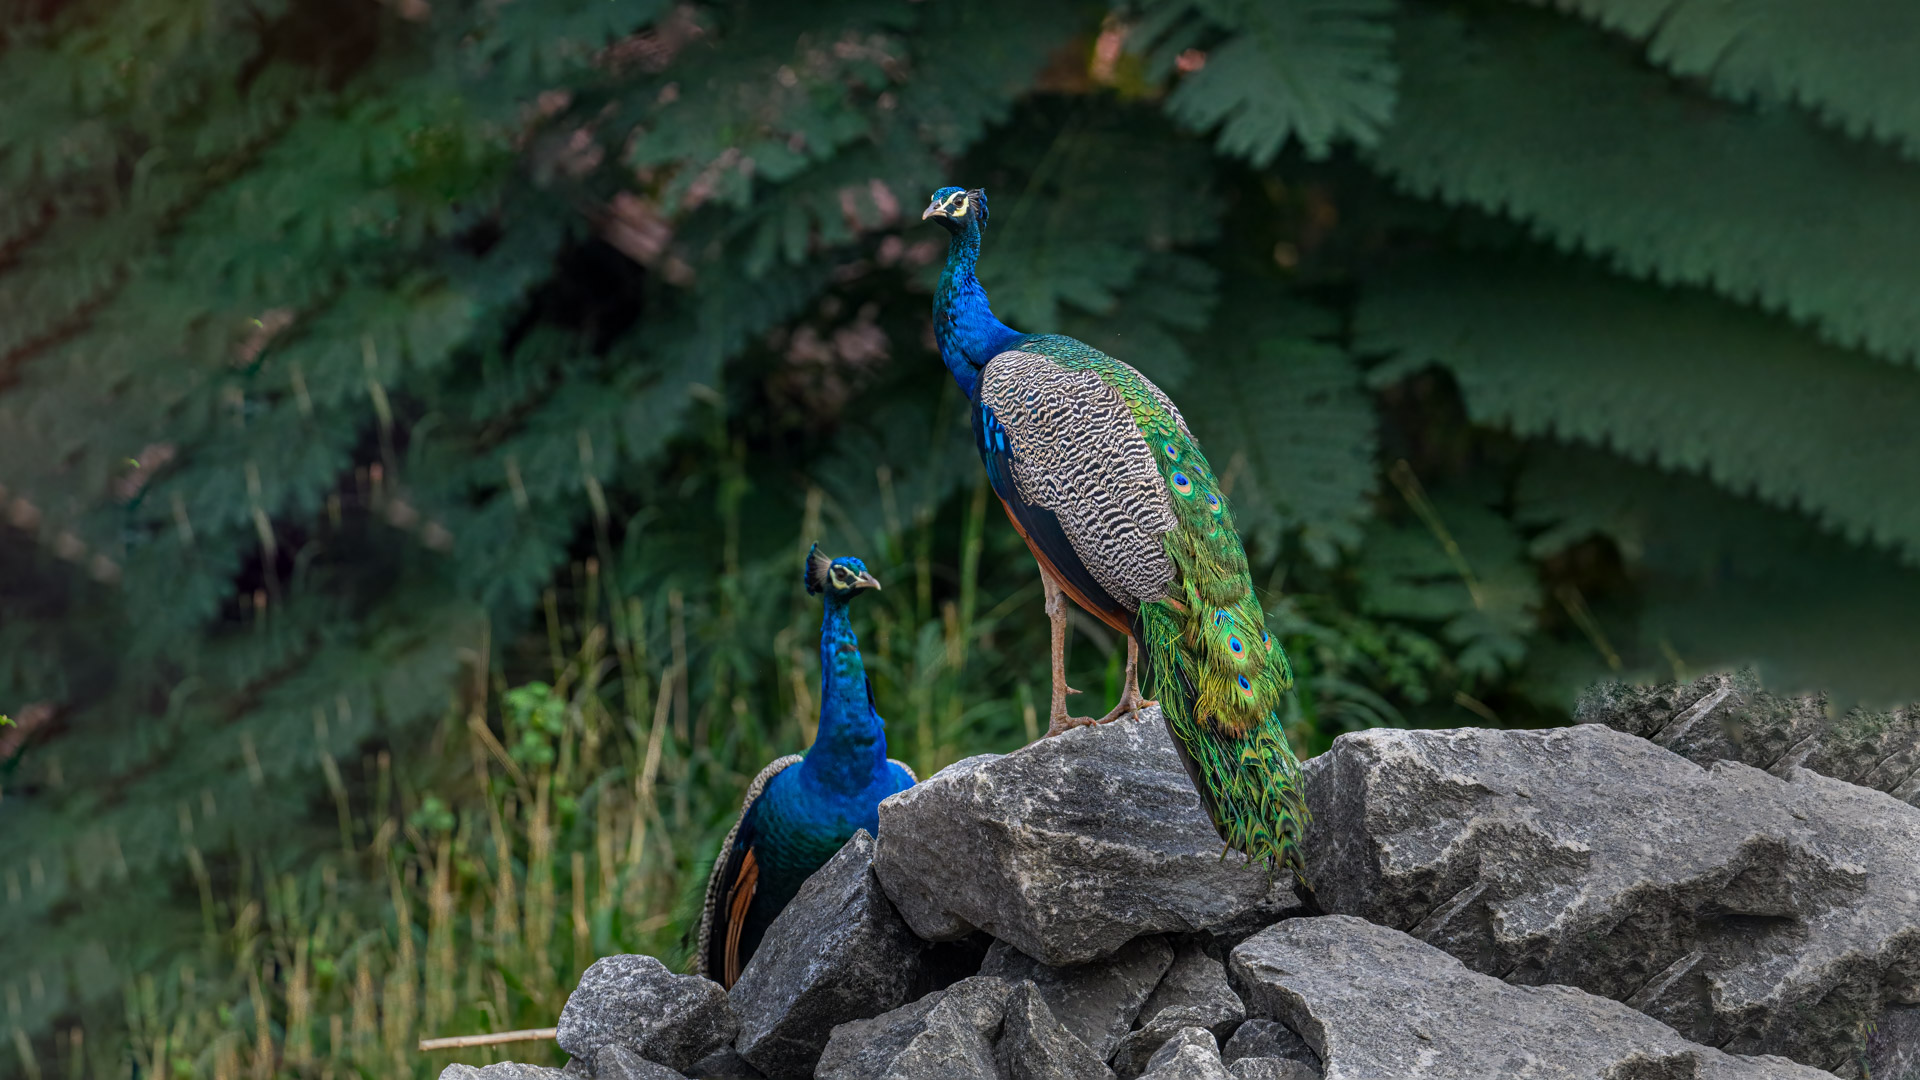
<point>362,364</point>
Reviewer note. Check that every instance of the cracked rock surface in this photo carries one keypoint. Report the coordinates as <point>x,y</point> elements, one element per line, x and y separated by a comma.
<point>616,1062</point>
<point>1259,1038</point>
<point>1034,1045</point>
<point>505,1070</point>
<point>674,1020</point>
<point>1375,1003</point>
<point>1267,1068</point>
<point>837,952</point>
<point>1749,912</point>
<point>1191,1054</point>
<point>948,1035</point>
<point>1729,716</point>
<point>1069,848</point>
<point>1193,993</point>
<point>1095,1001</point>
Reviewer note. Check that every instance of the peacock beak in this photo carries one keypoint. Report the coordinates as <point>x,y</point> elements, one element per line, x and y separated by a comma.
<point>866,581</point>
<point>933,211</point>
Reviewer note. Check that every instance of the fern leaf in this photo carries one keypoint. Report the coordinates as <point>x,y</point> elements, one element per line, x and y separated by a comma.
<point>1672,378</point>
<point>971,69</point>
<point>1287,425</point>
<point>1484,593</point>
<point>1849,61</point>
<point>1723,581</point>
<point>1043,249</point>
<point>1172,292</point>
<point>1312,71</point>
<point>1527,115</point>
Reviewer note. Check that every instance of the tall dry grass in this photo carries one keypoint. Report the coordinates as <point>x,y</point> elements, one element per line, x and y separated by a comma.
<point>546,824</point>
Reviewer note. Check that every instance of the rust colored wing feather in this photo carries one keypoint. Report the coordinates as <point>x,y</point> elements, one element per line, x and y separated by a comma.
<point>738,902</point>
<point>709,950</point>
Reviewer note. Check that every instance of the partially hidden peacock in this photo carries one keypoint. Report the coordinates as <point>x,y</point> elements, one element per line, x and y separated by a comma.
<point>802,809</point>
<point>1100,476</point>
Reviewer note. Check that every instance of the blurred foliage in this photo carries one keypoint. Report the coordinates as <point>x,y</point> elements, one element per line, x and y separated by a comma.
<point>379,382</point>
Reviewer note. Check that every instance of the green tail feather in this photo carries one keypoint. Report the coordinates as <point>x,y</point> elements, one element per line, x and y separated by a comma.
<point>1248,780</point>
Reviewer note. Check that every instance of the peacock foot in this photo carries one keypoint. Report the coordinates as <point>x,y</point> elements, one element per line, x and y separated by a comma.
<point>1062,722</point>
<point>1130,705</point>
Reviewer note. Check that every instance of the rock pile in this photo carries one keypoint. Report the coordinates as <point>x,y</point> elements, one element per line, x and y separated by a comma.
<point>1575,903</point>
<point>1749,912</point>
<point>1728,716</point>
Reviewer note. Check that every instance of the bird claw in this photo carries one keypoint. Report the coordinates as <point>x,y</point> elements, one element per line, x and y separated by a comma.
<point>1130,705</point>
<point>1063,723</point>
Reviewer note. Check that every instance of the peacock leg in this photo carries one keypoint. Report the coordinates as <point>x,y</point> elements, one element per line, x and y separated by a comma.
<point>1058,720</point>
<point>1130,700</point>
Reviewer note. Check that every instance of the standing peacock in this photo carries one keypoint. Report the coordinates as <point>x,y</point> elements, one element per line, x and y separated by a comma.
<point>794,819</point>
<point>1101,477</point>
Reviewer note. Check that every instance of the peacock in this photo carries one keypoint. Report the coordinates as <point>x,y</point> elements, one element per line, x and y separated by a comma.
<point>1099,474</point>
<point>794,819</point>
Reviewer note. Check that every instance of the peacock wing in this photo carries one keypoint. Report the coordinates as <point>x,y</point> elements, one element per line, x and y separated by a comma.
<point>1102,449</point>
<point>730,887</point>
<point>1067,456</point>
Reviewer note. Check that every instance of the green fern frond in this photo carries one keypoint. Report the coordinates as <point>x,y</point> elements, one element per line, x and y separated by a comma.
<point>1482,590</point>
<point>1127,177</point>
<point>1286,422</point>
<point>1674,378</point>
<point>1723,581</point>
<point>1525,114</point>
<point>1172,293</point>
<point>1849,61</point>
<point>971,70</point>
<point>1315,71</point>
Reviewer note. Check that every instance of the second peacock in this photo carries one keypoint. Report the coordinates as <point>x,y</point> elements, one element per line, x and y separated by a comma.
<point>1100,475</point>
<point>800,810</point>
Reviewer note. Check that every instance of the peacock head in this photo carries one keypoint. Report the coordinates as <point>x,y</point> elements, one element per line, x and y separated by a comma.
<point>957,208</point>
<point>841,578</point>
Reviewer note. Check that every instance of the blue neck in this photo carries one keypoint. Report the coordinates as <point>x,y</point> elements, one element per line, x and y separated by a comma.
<point>963,320</point>
<point>849,754</point>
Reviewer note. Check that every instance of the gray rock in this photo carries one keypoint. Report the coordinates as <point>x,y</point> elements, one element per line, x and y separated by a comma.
<point>504,1070</point>
<point>1374,1002</point>
<point>1034,1046</point>
<point>1193,993</point>
<point>1098,1001</point>
<point>1197,982</point>
<point>1069,848</point>
<point>837,952</point>
<point>1271,1068</point>
<point>1749,912</point>
<point>948,1035</point>
<point>1729,716</point>
<point>636,1002</point>
<point>1191,1054</point>
<point>616,1062</point>
<point>1893,1046</point>
<point>1132,1056</point>
<point>724,1065</point>
<point>578,1068</point>
<point>1269,1038</point>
